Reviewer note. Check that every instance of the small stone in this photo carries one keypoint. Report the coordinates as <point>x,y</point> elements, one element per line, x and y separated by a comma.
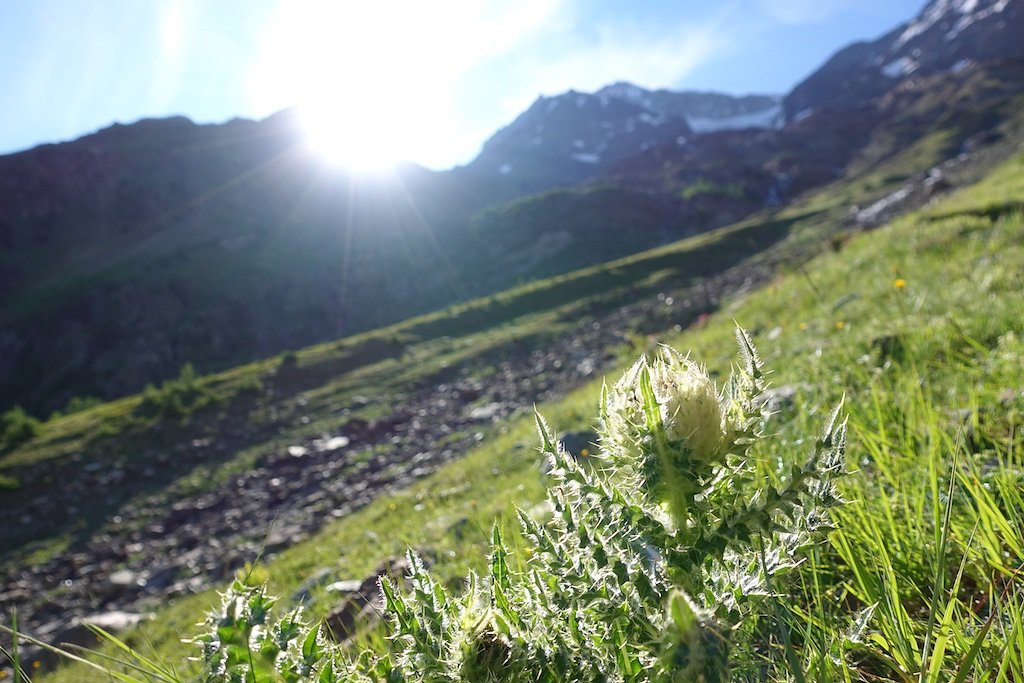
<point>348,586</point>
<point>362,604</point>
<point>282,537</point>
<point>331,444</point>
<point>317,579</point>
<point>778,398</point>
<point>124,577</point>
<point>485,412</point>
<point>114,621</point>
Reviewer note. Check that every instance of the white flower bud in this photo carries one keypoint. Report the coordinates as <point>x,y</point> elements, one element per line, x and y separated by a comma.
<point>690,408</point>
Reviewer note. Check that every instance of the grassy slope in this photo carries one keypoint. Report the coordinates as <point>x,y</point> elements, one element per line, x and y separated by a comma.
<point>932,375</point>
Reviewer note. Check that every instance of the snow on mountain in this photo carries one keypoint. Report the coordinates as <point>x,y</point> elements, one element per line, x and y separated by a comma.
<point>903,66</point>
<point>946,36</point>
<point>961,13</point>
<point>628,92</point>
<point>575,135</point>
<point>570,137</point>
<point>693,104</point>
<point>771,117</point>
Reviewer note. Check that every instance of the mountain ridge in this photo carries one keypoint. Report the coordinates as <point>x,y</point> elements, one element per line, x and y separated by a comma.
<point>140,248</point>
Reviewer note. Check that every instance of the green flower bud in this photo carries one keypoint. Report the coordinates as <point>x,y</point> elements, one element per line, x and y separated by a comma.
<point>692,647</point>
<point>486,654</point>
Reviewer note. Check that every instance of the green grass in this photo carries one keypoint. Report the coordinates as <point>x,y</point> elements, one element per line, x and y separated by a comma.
<point>917,323</point>
<point>708,188</point>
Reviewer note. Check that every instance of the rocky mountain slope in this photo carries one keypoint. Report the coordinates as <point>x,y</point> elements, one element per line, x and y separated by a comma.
<point>704,112</point>
<point>947,36</point>
<point>132,251</point>
<point>576,136</point>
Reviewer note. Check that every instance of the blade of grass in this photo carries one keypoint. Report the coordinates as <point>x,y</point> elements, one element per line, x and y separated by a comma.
<point>940,567</point>
<point>125,678</point>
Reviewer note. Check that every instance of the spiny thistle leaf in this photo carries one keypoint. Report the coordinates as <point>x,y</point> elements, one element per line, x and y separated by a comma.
<point>752,365</point>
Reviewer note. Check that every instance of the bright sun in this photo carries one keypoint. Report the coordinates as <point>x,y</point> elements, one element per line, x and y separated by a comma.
<point>354,70</point>
<point>347,134</point>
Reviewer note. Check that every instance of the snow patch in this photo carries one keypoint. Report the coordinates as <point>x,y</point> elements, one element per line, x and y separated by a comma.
<point>505,169</point>
<point>625,91</point>
<point>960,65</point>
<point>904,66</point>
<point>587,158</point>
<point>579,144</point>
<point>651,119</point>
<point>924,21</point>
<point>877,211</point>
<point>972,17</point>
<point>803,114</point>
<point>942,9</point>
<point>772,117</point>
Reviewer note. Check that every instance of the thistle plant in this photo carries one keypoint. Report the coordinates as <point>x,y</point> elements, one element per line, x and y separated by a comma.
<point>648,566</point>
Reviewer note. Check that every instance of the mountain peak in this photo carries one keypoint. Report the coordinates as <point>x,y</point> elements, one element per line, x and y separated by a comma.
<point>944,37</point>
<point>952,16</point>
<point>624,90</point>
<point>575,135</point>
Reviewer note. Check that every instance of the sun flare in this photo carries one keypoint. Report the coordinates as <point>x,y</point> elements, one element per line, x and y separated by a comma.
<point>353,72</point>
<point>347,134</point>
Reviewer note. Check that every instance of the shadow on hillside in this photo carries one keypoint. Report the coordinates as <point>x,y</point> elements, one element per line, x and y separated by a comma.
<point>74,499</point>
<point>605,287</point>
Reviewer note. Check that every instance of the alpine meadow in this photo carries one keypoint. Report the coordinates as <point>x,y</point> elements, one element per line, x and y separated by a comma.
<point>662,385</point>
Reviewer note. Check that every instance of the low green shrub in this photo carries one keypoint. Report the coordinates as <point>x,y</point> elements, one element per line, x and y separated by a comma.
<point>707,188</point>
<point>17,427</point>
<point>79,403</point>
<point>176,398</point>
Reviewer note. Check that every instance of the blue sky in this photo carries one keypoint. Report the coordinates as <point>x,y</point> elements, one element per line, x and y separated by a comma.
<point>426,81</point>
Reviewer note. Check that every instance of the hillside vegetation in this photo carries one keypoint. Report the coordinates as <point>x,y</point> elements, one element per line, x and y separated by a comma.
<point>918,324</point>
<point>141,248</point>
